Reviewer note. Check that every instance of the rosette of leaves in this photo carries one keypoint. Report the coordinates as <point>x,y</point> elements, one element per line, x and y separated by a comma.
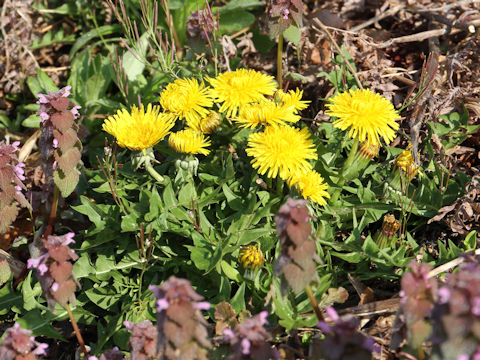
<point>59,143</point>
<point>296,265</point>
<point>182,330</point>
<point>456,315</point>
<point>418,293</point>
<point>11,176</point>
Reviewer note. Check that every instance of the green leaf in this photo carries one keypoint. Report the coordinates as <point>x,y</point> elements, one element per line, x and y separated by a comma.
<point>88,36</point>
<point>370,247</point>
<point>30,294</point>
<point>133,64</point>
<point>33,121</point>
<point>130,222</point>
<point>236,21</point>
<point>230,271</point>
<point>9,300</point>
<point>41,323</point>
<point>92,211</point>
<point>293,34</point>
<point>240,5</point>
<point>83,267</point>
<point>41,84</point>
<point>238,300</point>
<point>470,241</point>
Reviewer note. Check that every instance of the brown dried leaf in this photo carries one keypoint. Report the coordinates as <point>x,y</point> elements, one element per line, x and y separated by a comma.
<point>225,316</point>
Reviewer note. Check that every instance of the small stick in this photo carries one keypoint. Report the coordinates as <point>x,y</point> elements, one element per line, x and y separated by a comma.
<point>389,12</point>
<point>332,40</point>
<point>448,266</point>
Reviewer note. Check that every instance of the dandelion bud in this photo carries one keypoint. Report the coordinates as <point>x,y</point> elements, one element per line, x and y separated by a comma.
<point>385,237</point>
<point>210,123</point>
<point>369,151</point>
<point>251,257</point>
<point>407,165</point>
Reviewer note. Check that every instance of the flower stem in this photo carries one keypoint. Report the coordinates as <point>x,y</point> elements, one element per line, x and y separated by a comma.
<point>77,331</point>
<point>279,186</point>
<point>53,212</point>
<point>314,303</point>
<point>280,62</point>
<point>346,166</point>
<point>153,172</point>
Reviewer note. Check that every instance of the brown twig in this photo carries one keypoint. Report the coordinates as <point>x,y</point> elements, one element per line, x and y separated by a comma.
<point>339,50</point>
<point>389,12</point>
<point>77,331</point>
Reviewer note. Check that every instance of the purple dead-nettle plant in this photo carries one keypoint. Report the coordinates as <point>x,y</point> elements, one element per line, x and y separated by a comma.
<point>55,271</point>
<point>143,341</point>
<point>298,261</point>
<point>418,294</point>
<point>341,340</point>
<point>456,315</point>
<point>182,330</point>
<point>11,185</point>
<point>19,344</point>
<point>248,340</point>
<point>284,13</point>
<point>112,354</point>
<point>59,143</point>
<point>202,23</point>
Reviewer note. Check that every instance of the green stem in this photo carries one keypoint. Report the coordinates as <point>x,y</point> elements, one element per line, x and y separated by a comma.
<point>313,301</point>
<point>280,62</point>
<point>346,166</point>
<point>153,172</point>
<point>279,186</point>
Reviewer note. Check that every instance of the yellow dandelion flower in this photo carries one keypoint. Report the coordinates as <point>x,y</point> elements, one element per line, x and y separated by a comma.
<point>311,185</point>
<point>189,141</point>
<point>406,162</point>
<point>186,99</point>
<point>240,87</point>
<point>266,112</point>
<point>140,129</point>
<point>293,98</point>
<point>251,257</point>
<point>208,124</point>
<point>281,150</point>
<point>369,116</point>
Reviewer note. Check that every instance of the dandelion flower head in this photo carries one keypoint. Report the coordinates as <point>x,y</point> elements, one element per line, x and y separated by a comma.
<point>311,185</point>
<point>266,112</point>
<point>240,87</point>
<point>186,99</point>
<point>189,141</point>
<point>281,150</point>
<point>251,257</point>
<point>367,115</point>
<point>293,98</point>
<point>140,129</point>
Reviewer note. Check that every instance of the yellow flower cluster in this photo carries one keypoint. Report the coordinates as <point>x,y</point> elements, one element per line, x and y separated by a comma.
<point>406,163</point>
<point>249,98</point>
